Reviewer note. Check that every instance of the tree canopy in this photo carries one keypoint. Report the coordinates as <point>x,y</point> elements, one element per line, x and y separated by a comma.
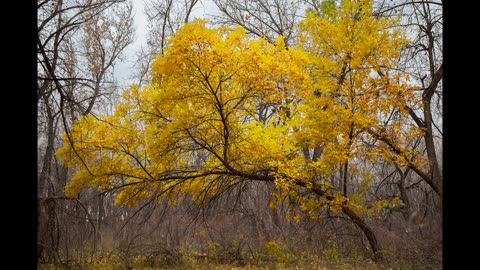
<point>223,107</point>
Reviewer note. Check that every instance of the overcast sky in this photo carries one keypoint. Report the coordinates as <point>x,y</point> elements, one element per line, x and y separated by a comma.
<point>124,70</point>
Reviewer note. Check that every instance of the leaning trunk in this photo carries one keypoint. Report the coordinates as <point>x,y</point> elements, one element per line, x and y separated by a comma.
<point>372,239</point>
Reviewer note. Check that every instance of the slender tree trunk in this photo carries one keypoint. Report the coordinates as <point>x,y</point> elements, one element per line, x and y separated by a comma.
<point>48,156</point>
<point>403,193</point>
<point>345,178</point>
<point>436,77</point>
<point>431,152</point>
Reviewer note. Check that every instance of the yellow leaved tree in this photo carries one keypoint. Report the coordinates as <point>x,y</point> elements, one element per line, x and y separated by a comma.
<point>223,108</point>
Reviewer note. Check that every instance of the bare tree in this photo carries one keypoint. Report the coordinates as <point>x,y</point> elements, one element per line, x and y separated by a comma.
<point>78,44</point>
<point>423,60</point>
<point>71,75</point>
<point>106,37</point>
<point>262,18</point>
<point>164,18</point>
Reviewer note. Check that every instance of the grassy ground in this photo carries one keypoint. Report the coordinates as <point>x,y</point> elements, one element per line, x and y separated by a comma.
<point>275,255</point>
<point>204,263</point>
<point>216,266</point>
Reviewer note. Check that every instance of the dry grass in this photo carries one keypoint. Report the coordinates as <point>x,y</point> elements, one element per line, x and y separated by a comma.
<point>305,260</point>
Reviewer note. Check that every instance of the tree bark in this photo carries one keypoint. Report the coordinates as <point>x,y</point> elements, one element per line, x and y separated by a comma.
<point>372,239</point>
<point>430,147</point>
<point>48,156</point>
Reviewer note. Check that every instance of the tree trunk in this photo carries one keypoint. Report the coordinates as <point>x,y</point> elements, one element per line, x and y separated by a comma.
<point>372,239</point>
<point>47,158</point>
<point>431,151</point>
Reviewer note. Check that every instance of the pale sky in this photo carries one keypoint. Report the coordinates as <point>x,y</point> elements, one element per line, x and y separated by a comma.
<point>124,70</point>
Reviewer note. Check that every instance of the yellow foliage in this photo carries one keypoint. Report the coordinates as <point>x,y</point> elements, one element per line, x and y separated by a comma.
<point>222,107</point>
